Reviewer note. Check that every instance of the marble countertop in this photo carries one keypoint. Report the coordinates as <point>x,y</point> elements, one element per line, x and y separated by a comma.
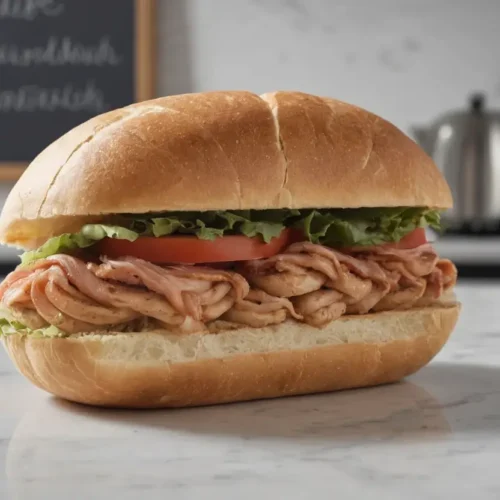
<point>434,436</point>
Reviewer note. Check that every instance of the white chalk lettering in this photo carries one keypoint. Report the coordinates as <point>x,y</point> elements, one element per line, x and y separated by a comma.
<point>29,10</point>
<point>60,52</point>
<point>32,98</point>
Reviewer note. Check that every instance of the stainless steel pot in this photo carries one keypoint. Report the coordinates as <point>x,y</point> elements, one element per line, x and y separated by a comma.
<point>465,145</point>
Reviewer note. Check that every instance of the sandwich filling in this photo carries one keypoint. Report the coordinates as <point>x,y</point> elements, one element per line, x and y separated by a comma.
<point>190,272</point>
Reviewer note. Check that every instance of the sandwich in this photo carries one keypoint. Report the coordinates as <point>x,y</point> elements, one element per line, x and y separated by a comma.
<point>224,246</point>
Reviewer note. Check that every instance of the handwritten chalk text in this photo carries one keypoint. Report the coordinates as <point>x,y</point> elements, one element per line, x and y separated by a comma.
<point>60,52</point>
<point>29,10</point>
<point>32,98</point>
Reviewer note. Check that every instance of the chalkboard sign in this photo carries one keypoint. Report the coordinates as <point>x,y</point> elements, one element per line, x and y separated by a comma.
<point>64,61</point>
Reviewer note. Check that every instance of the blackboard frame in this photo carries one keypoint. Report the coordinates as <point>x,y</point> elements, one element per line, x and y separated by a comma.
<point>145,71</point>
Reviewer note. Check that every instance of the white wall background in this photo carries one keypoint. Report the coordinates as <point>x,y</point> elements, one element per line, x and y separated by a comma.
<point>407,60</point>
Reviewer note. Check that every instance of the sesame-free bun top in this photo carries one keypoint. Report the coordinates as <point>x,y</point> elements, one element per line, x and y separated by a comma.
<point>219,150</point>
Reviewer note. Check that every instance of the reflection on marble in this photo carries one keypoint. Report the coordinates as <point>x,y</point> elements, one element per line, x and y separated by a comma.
<point>436,435</point>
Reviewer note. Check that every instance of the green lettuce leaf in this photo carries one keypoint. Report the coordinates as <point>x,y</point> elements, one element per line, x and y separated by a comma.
<point>165,226</point>
<point>97,232</point>
<point>204,232</point>
<point>12,327</point>
<point>64,243</point>
<point>209,225</point>
<point>333,227</point>
<point>365,226</point>
<point>250,224</point>
<point>267,230</point>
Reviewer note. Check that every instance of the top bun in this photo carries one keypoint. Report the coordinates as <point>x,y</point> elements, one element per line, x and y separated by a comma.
<point>219,150</point>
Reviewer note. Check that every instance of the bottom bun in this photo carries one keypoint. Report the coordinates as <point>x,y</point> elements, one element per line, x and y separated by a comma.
<point>158,369</point>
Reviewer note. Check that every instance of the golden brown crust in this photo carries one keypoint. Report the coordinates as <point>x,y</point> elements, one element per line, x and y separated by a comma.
<point>343,156</point>
<point>219,150</point>
<point>146,370</point>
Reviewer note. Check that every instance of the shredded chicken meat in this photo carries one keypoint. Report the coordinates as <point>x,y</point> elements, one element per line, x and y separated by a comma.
<point>307,282</point>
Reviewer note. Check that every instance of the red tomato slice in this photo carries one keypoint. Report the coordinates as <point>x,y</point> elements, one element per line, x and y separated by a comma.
<point>191,250</point>
<point>412,240</point>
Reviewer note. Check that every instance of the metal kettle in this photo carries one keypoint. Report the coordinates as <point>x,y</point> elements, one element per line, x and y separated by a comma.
<point>465,146</point>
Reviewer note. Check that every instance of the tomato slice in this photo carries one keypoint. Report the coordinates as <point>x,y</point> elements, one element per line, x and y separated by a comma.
<point>192,250</point>
<point>412,240</point>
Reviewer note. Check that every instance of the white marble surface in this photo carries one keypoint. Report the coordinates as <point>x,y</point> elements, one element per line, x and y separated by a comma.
<point>434,436</point>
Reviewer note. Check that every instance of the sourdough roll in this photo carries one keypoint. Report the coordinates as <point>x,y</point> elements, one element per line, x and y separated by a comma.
<point>224,246</point>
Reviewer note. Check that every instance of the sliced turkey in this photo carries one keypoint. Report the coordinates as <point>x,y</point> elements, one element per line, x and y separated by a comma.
<point>373,280</point>
<point>260,309</point>
<point>66,292</point>
<point>185,288</point>
<point>320,307</point>
<point>307,282</point>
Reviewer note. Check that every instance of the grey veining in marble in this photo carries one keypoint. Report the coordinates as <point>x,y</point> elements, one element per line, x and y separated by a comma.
<point>434,436</point>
